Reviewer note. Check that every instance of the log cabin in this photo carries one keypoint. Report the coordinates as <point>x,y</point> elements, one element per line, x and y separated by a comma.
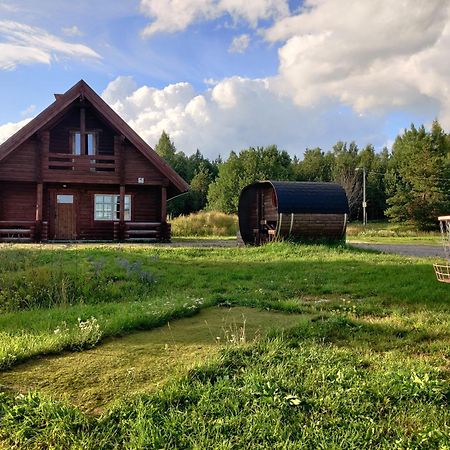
<point>77,171</point>
<point>270,210</point>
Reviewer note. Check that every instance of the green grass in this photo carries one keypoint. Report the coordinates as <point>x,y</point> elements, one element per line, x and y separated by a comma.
<point>368,367</point>
<point>144,361</point>
<point>389,233</point>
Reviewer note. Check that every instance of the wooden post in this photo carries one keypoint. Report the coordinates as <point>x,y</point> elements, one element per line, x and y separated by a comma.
<point>82,131</point>
<point>42,155</point>
<point>163,204</point>
<point>119,142</point>
<point>39,201</point>
<point>122,211</point>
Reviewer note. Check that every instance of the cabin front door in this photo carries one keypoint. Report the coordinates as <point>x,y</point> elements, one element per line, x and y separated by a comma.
<point>65,217</point>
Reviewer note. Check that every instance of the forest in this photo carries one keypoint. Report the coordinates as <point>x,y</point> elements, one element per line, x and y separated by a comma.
<point>408,183</point>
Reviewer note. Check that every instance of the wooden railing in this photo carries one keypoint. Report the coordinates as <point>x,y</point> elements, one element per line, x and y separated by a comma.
<point>17,231</point>
<point>142,232</point>
<point>23,231</point>
<point>80,163</point>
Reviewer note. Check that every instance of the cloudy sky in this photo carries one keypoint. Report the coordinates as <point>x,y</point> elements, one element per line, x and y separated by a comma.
<point>221,75</point>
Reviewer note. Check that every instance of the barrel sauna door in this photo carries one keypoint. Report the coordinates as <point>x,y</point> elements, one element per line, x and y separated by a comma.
<point>65,217</point>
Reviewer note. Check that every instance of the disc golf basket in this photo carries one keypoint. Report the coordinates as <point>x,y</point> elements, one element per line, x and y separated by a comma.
<point>443,270</point>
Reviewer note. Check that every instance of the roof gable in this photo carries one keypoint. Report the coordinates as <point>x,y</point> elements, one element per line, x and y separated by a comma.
<point>63,102</point>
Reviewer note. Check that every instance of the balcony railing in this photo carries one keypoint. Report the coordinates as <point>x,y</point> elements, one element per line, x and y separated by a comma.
<point>80,163</point>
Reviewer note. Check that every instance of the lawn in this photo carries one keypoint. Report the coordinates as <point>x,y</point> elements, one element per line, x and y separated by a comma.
<point>364,363</point>
<point>391,233</point>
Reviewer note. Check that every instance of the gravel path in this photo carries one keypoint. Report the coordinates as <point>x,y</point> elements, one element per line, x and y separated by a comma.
<point>405,249</point>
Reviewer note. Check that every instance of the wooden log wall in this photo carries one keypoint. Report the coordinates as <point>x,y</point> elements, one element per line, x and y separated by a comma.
<point>21,164</point>
<point>145,207</point>
<point>138,166</point>
<point>311,226</point>
<point>17,201</point>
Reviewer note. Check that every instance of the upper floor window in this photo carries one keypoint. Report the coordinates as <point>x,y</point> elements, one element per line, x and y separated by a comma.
<point>90,145</point>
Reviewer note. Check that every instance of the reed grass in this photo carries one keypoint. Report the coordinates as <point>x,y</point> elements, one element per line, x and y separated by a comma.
<point>205,223</point>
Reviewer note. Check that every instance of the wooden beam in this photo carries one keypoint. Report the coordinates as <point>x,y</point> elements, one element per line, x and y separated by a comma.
<point>42,153</point>
<point>122,204</point>
<point>82,131</point>
<point>163,204</point>
<point>122,159</point>
<point>39,201</point>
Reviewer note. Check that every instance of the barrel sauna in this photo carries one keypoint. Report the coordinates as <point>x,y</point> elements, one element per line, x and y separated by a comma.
<point>270,210</point>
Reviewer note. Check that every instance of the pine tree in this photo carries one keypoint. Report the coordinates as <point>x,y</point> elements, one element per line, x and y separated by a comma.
<point>419,177</point>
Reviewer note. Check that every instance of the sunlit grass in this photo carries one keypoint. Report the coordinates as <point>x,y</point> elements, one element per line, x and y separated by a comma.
<point>366,367</point>
<point>205,223</point>
<point>389,233</point>
<point>141,362</point>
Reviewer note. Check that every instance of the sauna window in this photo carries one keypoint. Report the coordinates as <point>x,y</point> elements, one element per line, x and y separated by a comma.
<point>274,199</point>
<point>91,139</point>
<point>107,207</point>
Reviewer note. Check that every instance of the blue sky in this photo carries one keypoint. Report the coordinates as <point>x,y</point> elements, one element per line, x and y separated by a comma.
<point>222,75</point>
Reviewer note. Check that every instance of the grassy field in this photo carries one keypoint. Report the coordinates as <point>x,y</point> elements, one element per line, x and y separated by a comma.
<point>388,233</point>
<point>366,365</point>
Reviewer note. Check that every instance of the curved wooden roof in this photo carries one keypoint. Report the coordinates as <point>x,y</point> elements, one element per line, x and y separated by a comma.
<point>64,101</point>
<point>308,197</point>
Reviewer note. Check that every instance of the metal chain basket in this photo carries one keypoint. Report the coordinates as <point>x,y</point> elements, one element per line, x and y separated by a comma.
<point>443,270</point>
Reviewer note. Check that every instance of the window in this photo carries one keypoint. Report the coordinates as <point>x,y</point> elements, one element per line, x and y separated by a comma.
<point>107,207</point>
<point>64,199</point>
<point>90,143</point>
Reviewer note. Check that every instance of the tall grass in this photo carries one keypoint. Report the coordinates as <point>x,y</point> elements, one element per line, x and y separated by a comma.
<point>205,223</point>
<point>63,279</point>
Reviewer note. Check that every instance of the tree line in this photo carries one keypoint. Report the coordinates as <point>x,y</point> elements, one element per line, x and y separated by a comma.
<point>409,183</point>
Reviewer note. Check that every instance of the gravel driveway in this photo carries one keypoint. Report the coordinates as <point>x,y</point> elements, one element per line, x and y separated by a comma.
<point>405,249</point>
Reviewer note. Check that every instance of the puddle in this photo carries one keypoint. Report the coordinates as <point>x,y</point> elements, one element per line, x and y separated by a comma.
<point>142,361</point>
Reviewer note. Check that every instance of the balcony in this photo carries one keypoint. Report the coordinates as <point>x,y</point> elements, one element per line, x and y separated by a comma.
<point>80,168</point>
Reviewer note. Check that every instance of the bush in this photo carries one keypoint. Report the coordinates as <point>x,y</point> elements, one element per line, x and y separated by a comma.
<point>203,223</point>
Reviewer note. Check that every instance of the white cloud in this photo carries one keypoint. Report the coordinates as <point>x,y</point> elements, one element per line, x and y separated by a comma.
<point>28,111</point>
<point>239,44</point>
<point>234,114</point>
<point>24,44</point>
<point>380,55</point>
<point>9,7</point>
<point>8,129</point>
<point>177,15</point>
<point>72,31</point>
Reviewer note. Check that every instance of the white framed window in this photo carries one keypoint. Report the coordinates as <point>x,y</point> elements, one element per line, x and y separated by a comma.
<point>107,207</point>
<point>90,143</point>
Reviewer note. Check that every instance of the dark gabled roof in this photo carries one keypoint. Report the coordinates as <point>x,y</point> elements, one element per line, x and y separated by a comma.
<point>310,197</point>
<point>63,101</point>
